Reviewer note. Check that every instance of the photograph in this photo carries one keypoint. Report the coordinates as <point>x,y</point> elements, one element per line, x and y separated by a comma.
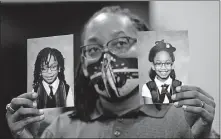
<point>50,70</point>
<point>163,64</point>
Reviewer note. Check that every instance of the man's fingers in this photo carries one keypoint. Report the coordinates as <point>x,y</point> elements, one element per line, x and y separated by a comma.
<point>29,120</point>
<point>201,111</point>
<point>30,95</point>
<point>24,112</point>
<point>184,95</point>
<point>193,95</point>
<point>18,102</point>
<point>194,102</point>
<point>193,88</point>
<point>21,124</point>
<point>190,102</point>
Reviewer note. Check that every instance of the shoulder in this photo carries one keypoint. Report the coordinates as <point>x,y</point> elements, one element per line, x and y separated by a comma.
<point>181,121</point>
<point>67,86</point>
<point>173,111</point>
<point>60,125</point>
<point>177,113</point>
<point>168,112</point>
<point>149,85</point>
<point>177,122</point>
<point>64,83</point>
<point>171,120</point>
<point>144,87</point>
<point>66,119</point>
<point>178,116</point>
<point>146,91</point>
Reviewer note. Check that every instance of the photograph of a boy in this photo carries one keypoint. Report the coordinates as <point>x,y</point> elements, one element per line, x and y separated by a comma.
<point>49,80</point>
<point>162,75</point>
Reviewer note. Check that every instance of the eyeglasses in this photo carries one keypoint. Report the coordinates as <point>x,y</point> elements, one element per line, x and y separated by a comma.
<point>52,68</point>
<point>166,64</point>
<point>116,46</point>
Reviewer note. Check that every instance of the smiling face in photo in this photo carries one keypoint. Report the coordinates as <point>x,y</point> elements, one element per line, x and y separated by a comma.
<point>50,70</point>
<point>162,65</point>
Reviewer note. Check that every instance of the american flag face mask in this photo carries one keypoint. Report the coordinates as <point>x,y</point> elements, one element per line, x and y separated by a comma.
<point>113,76</point>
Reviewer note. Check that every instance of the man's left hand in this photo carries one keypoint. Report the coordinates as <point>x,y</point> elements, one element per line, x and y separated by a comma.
<point>199,103</point>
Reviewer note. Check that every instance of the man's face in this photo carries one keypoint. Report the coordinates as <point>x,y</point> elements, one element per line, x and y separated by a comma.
<point>110,58</point>
<point>163,65</point>
<point>50,71</point>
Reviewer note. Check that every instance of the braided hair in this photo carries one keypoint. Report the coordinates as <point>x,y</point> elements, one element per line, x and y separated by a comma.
<point>42,58</point>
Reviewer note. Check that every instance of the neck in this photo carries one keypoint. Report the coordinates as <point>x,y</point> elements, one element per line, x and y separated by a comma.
<point>161,79</point>
<point>123,107</point>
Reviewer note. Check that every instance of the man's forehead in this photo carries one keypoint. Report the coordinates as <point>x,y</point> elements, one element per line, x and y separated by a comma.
<point>111,19</point>
<point>109,24</point>
<point>109,16</point>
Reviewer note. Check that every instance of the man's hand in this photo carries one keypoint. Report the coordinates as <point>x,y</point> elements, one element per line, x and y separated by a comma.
<point>196,102</point>
<point>23,112</point>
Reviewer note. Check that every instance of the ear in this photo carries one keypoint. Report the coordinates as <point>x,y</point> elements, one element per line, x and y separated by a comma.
<point>152,66</point>
<point>84,66</point>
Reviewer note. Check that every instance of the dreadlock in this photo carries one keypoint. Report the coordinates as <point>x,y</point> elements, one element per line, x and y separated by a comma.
<point>85,93</point>
<point>42,58</point>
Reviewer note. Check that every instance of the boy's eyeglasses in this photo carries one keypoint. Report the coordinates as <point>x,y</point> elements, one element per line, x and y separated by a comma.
<point>167,64</point>
<point>52,68</point>
<point>116,46</point>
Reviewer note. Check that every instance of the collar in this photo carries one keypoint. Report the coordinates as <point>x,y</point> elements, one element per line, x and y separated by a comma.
<point>159,83</point>
<point>147,109</point>
<point>54,86</point>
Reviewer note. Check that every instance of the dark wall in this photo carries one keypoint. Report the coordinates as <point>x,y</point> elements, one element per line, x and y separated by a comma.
<point>20,22</point>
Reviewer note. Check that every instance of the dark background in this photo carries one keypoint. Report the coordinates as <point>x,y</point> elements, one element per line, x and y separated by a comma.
<point>21,21</point>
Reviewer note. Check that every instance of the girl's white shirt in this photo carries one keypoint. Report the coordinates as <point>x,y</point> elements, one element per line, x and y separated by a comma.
<point>70,96</point>
<point>146,91</point>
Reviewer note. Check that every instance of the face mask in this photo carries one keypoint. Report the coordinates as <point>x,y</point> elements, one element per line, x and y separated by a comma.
<point>114,77</point>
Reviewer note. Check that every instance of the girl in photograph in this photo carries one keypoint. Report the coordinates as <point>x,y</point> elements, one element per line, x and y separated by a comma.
<point>162,74</point>
<point>49,80</point>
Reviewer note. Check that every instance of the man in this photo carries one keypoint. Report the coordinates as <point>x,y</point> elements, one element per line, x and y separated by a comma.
<point>107,103</point>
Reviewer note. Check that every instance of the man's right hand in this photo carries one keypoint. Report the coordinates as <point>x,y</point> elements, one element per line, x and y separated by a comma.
<point>25,112</point>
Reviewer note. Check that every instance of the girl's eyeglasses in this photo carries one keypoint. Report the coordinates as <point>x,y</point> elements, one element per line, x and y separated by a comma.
<point>52,68</point>
<point>166,64</point>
